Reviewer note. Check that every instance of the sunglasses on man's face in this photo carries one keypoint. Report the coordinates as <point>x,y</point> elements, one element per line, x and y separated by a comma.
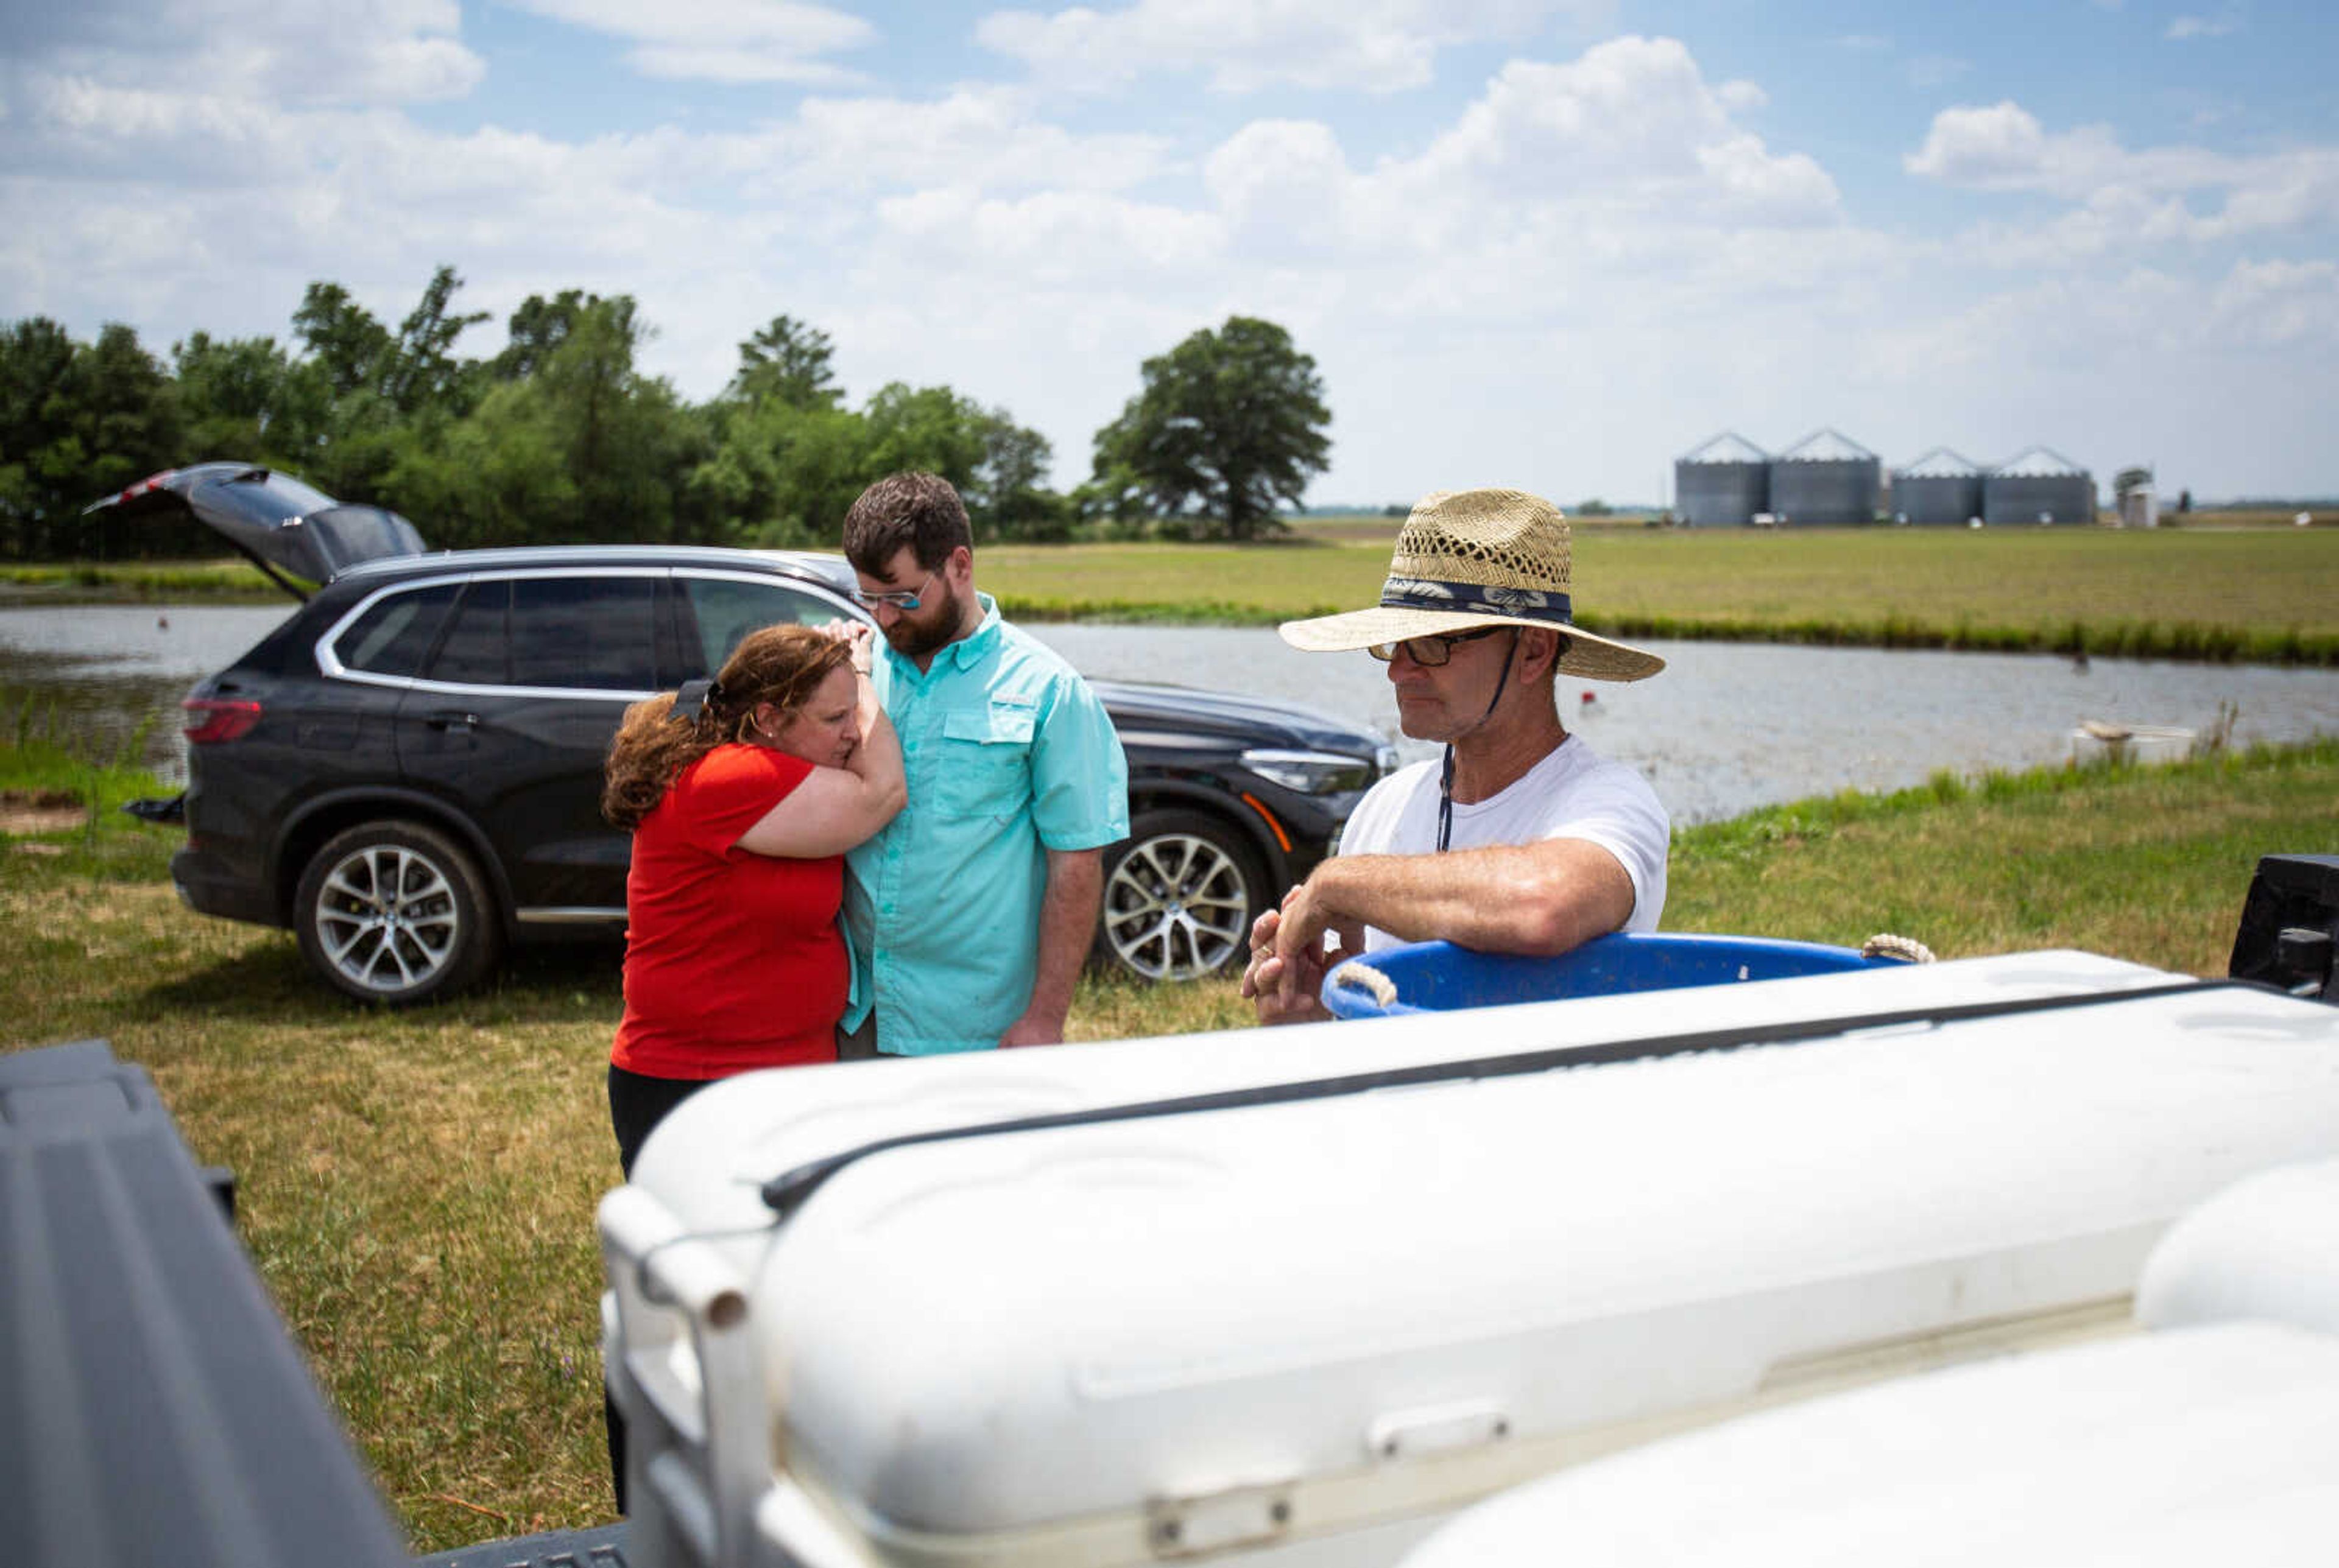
<point>897,598</point>
<point>1430,652</point>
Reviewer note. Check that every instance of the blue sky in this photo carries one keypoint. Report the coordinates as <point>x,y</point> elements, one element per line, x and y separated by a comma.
<point>1551,243</point>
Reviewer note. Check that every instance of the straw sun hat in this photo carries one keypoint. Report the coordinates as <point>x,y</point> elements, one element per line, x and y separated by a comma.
<point>1469,559</point>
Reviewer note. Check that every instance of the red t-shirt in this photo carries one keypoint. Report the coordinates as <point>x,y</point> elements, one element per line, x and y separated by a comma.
<point>733,960</point>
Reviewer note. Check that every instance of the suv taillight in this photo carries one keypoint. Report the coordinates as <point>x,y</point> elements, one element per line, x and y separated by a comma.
<point>212,719</point>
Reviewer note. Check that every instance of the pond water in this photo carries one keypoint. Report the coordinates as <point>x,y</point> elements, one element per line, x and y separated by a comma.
<point>1727,727</point>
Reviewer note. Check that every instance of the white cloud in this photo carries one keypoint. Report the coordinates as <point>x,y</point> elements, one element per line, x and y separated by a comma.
<point>2001,145</point>
<point>1284,185</point>
<point>2278,304</point>
<point>1056,237</point>
<point>721,40</point>
<point>1552,174</point>
<point>2097,352</point>
<point>990,137</point>
<point>1632,124</point>
<point>286,53</point>
<point>2184,27</point>
<point>2122,196</point>
<point>1244,46</point>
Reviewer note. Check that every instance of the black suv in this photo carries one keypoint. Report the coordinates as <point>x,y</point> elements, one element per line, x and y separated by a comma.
<point>407,771</point>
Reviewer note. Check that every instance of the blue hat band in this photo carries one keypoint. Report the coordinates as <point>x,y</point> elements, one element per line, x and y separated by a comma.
<point>1477,599</point>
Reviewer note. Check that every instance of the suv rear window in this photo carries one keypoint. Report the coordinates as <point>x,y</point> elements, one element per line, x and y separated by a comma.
<point>725,609</point>
<point>395,632</point>
<point>579,633</point>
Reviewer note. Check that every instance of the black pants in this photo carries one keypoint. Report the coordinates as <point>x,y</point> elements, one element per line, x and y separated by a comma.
<point>636,1105</point>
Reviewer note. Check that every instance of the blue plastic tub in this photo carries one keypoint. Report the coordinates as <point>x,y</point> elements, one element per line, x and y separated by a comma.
<point>1437,976</point>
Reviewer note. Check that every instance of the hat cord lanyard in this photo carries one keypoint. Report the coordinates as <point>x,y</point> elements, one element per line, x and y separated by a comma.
<point>1445,773</point>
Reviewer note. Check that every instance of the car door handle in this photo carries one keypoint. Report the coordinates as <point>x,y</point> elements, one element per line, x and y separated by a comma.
<point>452,720</point>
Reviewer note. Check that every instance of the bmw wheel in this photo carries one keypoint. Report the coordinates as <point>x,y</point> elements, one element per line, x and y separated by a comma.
<point>396,912</point>
<point>1179,896</point>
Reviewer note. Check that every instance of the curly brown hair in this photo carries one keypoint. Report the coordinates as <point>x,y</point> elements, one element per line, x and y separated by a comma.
<point>782,666</point>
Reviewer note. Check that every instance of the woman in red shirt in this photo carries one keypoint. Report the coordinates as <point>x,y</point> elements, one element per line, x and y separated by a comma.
<point>743,794</point>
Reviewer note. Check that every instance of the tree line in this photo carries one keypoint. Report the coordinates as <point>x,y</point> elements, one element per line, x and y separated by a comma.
<point>560,437</point>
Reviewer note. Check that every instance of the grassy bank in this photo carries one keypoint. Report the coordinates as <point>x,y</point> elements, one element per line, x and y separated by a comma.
<point>229,579</point>
<point>46,768</point>
<point>2203,593</point>
<point>418,1188</point>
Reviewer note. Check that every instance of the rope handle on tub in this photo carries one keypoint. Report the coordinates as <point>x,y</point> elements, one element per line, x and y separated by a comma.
<point>1357,975</point>
<point>1907,948</point>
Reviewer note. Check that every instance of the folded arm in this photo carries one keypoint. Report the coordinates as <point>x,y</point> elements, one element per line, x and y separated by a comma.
<point>836,808</point>
<point>1542,898</point>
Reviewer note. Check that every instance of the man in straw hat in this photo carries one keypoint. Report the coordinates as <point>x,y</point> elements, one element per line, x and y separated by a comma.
<point>1518,839</point>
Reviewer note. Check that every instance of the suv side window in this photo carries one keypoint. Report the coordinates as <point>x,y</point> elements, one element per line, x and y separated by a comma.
<point>476,652</point>
<point>393,634</point>
<point>725,609</point>
<point>579,633</point>
<point>599,633</point>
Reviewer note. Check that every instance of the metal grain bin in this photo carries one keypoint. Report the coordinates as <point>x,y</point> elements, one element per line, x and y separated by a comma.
<point>1723,483</point>
<point>2041,486</point>
<point>1939,487</point>
<point>1826,477</point>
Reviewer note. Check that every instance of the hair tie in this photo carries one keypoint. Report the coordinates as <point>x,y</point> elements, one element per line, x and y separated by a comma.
<point>690,702</point>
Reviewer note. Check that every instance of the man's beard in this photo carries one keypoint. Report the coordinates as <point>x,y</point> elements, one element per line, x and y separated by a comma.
<point>915,642</point>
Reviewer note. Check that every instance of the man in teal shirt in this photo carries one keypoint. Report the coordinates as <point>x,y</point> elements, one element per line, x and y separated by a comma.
<point>972,913</point>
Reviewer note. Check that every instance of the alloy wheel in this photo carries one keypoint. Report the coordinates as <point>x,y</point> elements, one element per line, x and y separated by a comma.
<point>1177,907</point>
<point>386,919</point>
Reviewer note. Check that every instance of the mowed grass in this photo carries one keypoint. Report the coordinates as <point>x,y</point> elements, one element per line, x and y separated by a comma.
<point>418,1188</point>
<point>2228,594</point>
<point>2145,862</point>
<point>2260,595</point>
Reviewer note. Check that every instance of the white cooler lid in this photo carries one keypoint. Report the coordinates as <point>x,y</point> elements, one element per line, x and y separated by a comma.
<point>988,1333</point>
<point>2216,1445</point>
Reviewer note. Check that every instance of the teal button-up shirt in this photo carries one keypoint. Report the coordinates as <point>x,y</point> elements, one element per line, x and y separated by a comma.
<point>1009,754</point>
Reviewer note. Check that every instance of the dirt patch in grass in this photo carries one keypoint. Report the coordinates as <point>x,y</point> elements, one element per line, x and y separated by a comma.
<point>40,811</point>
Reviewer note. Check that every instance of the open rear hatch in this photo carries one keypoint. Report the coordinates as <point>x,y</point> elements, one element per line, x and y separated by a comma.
<point>296,534</point>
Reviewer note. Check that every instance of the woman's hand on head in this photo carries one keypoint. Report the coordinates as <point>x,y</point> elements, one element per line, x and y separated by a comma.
<point>859,636</point>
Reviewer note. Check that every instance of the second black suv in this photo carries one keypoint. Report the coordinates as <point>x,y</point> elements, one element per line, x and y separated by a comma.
<point>407,772</point>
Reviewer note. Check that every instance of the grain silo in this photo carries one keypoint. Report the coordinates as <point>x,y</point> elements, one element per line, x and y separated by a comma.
<point>1826,478</point>
<point>2041,486</point>
<point>1939,487</point>
<point>1724,482</point>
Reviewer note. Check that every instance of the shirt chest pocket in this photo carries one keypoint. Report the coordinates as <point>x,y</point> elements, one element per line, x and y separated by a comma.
<point>983,765</point>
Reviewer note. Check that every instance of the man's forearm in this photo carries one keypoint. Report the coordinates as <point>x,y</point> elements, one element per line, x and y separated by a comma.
<point>1542,898</point>
<point>1068,912</point>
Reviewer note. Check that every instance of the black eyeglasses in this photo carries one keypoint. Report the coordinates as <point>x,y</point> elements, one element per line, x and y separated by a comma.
<point>1430,652</point>
<point>899,599</point>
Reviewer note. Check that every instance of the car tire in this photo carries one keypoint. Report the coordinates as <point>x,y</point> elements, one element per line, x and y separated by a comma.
<point>396,912</point>
<point>1179,896</point>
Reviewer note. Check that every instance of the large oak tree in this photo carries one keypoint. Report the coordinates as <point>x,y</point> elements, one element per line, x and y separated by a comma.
<point>1231,422</point>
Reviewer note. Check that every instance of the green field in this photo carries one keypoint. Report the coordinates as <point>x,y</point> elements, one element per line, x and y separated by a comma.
<point>2265,596</point>
<point>2262,594</point>
<point>418,1188</point>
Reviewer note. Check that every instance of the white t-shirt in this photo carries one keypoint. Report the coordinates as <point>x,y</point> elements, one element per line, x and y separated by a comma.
<point>1573,793</point>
